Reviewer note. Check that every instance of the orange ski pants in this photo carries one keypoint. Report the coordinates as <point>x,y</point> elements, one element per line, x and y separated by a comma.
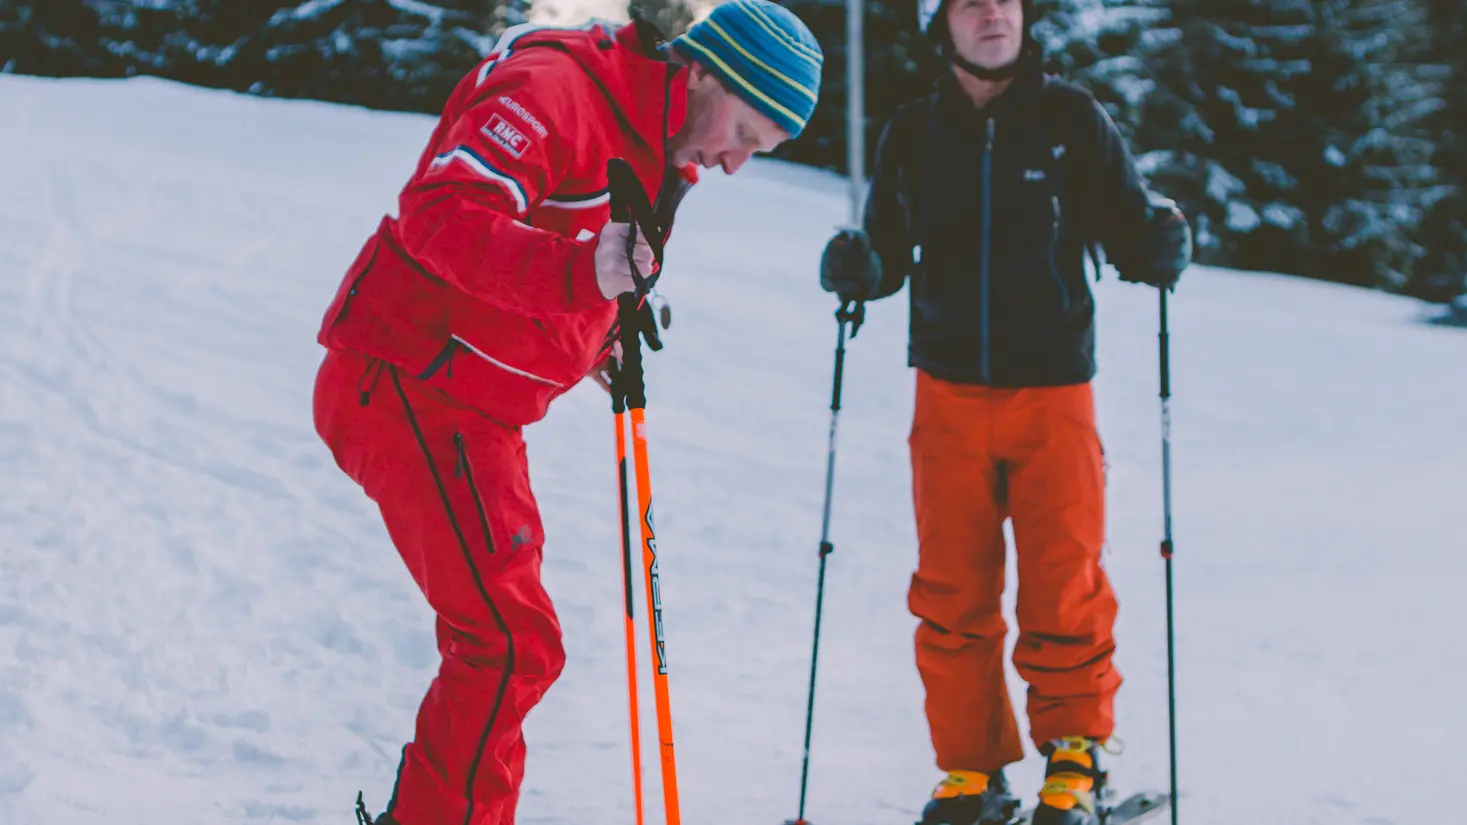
<point>982,455</point>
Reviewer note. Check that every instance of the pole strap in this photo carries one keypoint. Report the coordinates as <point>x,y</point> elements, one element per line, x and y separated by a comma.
<point>630,204</point>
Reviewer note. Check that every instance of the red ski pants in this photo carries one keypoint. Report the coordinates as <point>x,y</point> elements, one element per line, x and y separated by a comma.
<point>979,457</point>
<point>454,492</point>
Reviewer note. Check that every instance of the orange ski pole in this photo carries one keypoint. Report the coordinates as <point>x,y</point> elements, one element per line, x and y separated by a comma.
<point>636,401</point>
<point>618,406</point>
<point>629,203</point>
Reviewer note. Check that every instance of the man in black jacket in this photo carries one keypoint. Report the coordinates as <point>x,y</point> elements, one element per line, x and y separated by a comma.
<point>985,197</point>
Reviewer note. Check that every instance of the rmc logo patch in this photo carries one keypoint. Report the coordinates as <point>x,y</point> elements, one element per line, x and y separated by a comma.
<point>501,132</point>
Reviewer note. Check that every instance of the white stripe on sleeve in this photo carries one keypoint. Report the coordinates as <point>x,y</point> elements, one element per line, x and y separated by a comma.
<point>472,160</point>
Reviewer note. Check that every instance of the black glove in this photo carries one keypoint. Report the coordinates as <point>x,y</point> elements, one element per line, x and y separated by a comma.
<point>850,267</point>
<point>1165,249</point>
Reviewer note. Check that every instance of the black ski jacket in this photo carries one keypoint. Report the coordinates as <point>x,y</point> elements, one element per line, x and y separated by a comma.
<point>990,213</point>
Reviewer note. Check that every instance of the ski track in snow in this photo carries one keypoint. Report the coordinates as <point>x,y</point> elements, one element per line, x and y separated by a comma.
<point>201,619</point>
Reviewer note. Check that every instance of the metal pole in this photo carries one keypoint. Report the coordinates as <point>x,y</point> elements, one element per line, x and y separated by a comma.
<point>855,106</point>
<point>826,547</point>
<point>1168,547</point>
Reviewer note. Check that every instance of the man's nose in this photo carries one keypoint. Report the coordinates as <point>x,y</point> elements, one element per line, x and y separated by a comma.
<point>733,161</point>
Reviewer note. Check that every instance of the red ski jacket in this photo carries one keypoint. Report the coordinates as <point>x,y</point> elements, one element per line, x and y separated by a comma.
<point>484,285</point>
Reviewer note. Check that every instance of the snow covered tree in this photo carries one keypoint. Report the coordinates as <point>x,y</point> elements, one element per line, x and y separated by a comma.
<point>1103,46</point>
<point>1096,43</point>
<point>1371,177</point>
<point>1224,126</point>
<point>672,17</point>
<point>373,53</point>
<point>1442,274</point>
<point>899,68</point>
<point>514,12</point>
<point>386,54</point>
<point>56,38</point>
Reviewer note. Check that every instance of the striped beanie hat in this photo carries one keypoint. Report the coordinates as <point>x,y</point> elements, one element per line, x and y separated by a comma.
<point>764,54</point>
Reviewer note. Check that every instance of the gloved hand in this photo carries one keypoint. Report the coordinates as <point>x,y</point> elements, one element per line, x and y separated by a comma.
<point>1166,249</point>
<point>849,266</point>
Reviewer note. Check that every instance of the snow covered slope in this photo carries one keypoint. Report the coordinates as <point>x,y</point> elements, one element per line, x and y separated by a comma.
<point>202,621</point>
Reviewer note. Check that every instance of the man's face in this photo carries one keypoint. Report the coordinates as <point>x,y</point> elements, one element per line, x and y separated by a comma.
<point>988,33</point>
<point>721,129</point>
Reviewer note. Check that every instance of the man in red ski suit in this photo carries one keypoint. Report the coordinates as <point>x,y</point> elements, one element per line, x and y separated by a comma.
<point>490,295</point>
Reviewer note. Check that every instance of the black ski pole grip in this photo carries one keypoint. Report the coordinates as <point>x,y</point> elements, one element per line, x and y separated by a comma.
<point>616,170</point>
<point>633,387</point>
<point>629,204</point>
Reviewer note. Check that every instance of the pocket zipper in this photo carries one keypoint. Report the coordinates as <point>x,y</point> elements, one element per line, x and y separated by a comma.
<point>1053,243</point>
<point>462,469</point>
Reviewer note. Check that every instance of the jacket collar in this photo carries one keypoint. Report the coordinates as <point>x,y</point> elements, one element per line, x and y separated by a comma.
<point>654,91</point>
<point>1026,86</point>
<point>647,91</point>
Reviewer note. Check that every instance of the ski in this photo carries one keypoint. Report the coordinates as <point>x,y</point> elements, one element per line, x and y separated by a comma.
<point>1138,807</point>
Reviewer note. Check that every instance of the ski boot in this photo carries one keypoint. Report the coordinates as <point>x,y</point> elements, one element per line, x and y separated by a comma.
<point>1075,790</point>
<point>971,798</point>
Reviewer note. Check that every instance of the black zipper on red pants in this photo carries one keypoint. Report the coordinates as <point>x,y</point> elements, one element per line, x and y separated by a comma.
<point>463,469</point>
<point>483,593</point>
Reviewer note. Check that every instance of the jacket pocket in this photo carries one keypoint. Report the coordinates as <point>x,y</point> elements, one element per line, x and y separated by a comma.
<point>347,293</point>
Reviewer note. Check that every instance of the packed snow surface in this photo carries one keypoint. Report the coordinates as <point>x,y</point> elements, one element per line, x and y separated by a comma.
<point>202,619</point>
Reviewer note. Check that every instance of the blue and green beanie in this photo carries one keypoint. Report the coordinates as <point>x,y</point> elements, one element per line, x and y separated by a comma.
<point>764,54</point>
